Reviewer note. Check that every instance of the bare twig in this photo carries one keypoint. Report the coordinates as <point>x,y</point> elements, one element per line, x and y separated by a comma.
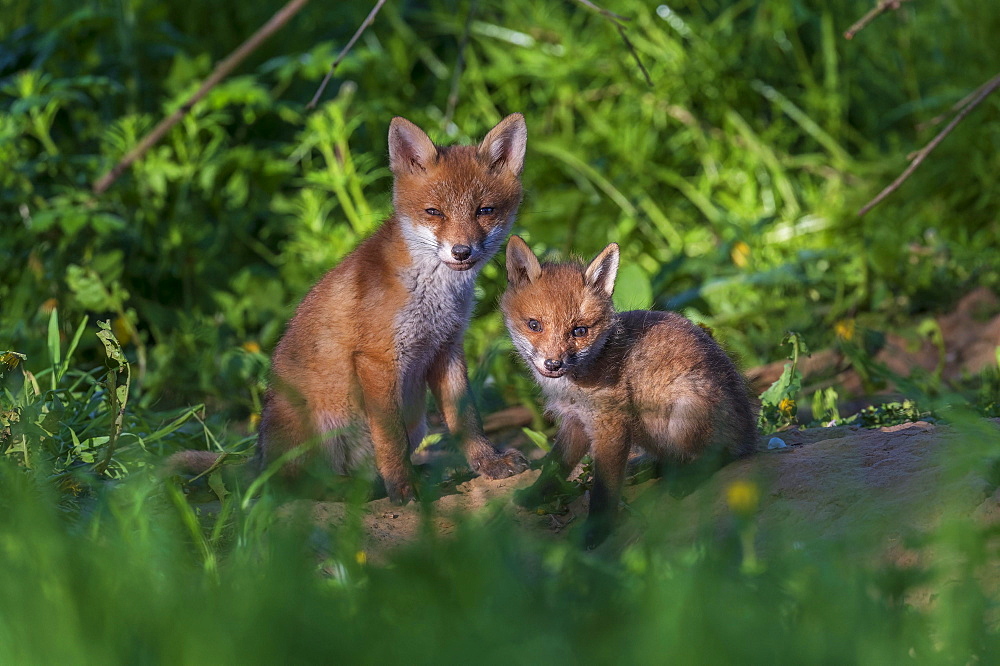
<point>364,26</point>
<point>635,54</point>
<point>221,71</point>
<point>957,106</point>
<point>882,7</point>
<point>618,20</point>
<point>459,65</point>
<point>605,12</point>
<point>918,157</point>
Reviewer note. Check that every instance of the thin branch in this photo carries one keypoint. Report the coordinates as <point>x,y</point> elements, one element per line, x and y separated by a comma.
<point>618,20</point>
<point>957,106</point>
<point>459,65</point>
<point>221,71</point>
<point>364,26</point>
<point>984,92</point>
<point>882,7</point>
<point>635,54</point>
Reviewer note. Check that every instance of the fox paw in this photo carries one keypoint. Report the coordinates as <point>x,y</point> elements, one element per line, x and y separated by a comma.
<point>400,493</point>
<point>595,531</point>
<point>500,465</point>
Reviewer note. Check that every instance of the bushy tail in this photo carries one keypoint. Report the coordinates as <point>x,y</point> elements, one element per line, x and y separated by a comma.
<point>190,462</point>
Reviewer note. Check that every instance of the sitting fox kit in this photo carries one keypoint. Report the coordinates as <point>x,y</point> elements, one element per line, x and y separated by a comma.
<point>352,370</point>
<point>612,379</point>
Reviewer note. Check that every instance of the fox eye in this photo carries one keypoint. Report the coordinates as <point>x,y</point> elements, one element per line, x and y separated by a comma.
<point>434,211</point>
<point>534,325</point>
<point>485,210</point>
<point>580,332</point>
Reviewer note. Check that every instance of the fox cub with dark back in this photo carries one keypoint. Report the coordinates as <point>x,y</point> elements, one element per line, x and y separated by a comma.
<point>351,372</point>
<point>614,379</point>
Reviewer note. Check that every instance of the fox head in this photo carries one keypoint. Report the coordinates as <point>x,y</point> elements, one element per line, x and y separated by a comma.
<point>559,315</point>
<point>456,204</point>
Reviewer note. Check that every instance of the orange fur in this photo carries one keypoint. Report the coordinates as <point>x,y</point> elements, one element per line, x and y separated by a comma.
<point>613,379</point>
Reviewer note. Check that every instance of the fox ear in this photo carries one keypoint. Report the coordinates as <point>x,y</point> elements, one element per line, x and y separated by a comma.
<point>522,265</point>
<point>603,269</point>
<point>410,149</point>
<point>505,144</point>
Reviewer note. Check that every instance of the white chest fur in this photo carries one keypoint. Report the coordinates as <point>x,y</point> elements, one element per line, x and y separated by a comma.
<point>565,399</point>
<point>437,308</point>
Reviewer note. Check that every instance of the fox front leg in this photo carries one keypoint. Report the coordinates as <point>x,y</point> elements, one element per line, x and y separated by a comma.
<point>611,447</point>
<point>385,421</point>
<point>450,385</point>
<point>570,446</point>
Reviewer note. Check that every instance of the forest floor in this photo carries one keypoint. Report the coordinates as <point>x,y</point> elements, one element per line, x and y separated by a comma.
<point>879,488</point>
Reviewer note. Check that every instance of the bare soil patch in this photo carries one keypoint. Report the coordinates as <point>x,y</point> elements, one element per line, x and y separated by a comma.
<point>845,484</point>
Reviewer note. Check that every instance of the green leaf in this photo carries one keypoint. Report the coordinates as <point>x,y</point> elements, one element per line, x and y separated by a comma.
<point>111,345</point>
<point>217,485</point>
<point>538,439</point>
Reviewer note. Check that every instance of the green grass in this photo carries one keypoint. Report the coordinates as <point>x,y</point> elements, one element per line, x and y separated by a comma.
<point>122,579</point>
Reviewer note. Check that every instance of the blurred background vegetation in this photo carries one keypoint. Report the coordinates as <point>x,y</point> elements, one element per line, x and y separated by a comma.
<point>731,184</point>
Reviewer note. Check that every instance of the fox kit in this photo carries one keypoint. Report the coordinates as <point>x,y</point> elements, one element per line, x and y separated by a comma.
<point>351,372</point>
<point>614,379</point>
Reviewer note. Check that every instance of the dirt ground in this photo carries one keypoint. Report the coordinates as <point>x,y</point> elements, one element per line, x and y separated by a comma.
<point>843,483</point>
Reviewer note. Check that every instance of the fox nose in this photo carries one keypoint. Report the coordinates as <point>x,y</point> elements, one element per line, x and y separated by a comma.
<point>552,364</point>
<point>461,252</point>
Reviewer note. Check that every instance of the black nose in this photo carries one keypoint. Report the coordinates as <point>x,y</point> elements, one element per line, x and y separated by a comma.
<point>552,364</point>
<point>461,252</point>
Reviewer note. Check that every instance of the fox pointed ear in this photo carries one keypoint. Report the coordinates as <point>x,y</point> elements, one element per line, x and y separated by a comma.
<point>603,270</point>
<point>522,265</point>
<point>410,149</point>
<point>505,144</point>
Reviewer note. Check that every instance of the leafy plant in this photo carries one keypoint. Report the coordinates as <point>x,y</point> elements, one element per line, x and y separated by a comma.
<point>778,403</point>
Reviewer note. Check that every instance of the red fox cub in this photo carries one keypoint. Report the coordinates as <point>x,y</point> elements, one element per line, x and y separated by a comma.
<point>614,379</point>
<point>351,372</point>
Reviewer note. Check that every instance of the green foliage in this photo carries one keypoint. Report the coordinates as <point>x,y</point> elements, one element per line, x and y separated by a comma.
<point>778,403</point>
<point>892,413</point>
<point>255,586</point>
<point>78,429</point>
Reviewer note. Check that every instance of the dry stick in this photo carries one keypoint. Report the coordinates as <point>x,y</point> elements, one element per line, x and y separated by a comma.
<point>364,26</point>
<point>601,10</point>
<point>882,7</point>
<point>617,20</point>
<point>459,65</point>
<point>984,91</point>
<point>221,71</point>
<point>635,54</point>
<point>957,106</point>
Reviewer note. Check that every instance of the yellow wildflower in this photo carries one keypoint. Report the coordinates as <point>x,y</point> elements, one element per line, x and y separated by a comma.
<point>844,329</point>
<point>740,254</point>
<point>786,406</point>
<point>122,330</point>
<point>742,497</point>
